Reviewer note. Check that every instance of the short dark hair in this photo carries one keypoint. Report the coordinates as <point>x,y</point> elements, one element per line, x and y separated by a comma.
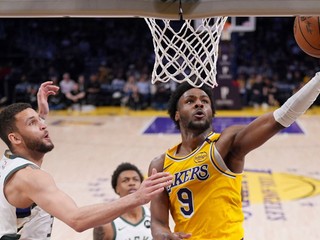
<point>121,168</point>
<point>8,120</point>
<point>181,89</point>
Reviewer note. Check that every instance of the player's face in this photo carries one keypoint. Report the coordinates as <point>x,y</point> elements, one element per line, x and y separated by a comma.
<point>194,110</point>
<point>128,182</point>
<point>33,132</point>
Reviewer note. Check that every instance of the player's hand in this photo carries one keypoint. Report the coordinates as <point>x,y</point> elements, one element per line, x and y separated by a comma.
<point>174,236</point>
<point>45,90</point>
<point>153,185</point>
<point>182,235</point>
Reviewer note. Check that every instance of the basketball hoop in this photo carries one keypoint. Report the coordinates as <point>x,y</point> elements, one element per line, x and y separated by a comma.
<point>184,52</point>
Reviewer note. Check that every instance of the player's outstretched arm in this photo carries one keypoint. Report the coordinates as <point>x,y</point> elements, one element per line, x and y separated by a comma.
<point>268,125</point>
<point>298,103</point>
<point>40,188</point>
<point>235,142</point>
<point>45,90</point>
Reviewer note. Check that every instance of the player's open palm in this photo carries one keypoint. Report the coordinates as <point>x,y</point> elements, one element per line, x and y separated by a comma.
<point>153,185</point>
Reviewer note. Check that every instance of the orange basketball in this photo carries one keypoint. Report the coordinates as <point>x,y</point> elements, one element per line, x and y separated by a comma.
<point>307,34</point>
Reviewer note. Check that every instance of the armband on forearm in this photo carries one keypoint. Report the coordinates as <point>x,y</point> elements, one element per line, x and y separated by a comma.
<point>298,103</point>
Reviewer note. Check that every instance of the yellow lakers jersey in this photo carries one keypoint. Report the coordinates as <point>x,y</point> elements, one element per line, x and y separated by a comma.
<point>205,197</point>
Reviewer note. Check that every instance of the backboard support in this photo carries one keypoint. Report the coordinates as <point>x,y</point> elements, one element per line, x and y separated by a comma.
<point>166,9</point>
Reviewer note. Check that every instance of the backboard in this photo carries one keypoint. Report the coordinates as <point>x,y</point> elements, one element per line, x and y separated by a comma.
<point>192,9</point>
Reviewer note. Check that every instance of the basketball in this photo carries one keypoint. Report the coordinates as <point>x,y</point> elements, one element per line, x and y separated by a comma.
<point>307,34</point>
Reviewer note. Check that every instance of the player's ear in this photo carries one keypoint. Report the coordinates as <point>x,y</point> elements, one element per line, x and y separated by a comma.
<point>117,191</point>
<point>177,116</point>
<point>14,138</point>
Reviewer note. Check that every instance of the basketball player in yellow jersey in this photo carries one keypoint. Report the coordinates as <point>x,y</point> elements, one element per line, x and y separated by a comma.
<point>205,195</point>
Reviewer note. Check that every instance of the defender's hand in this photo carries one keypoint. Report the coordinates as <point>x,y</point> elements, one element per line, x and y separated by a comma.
<point>45,90</point>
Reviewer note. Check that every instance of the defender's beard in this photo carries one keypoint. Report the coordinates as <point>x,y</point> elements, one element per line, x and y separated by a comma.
<point>39,146</point>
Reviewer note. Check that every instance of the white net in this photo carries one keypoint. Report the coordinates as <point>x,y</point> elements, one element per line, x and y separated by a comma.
<point>184,52</point>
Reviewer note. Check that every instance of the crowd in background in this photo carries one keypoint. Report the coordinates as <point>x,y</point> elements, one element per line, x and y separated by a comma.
<point>269,65</point>
<point>108,62</point>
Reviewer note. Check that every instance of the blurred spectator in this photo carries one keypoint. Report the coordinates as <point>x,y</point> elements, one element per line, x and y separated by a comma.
<point>25,91</point>
<point>76,97</point>
<point>56,102</point>
<point>144,90</point>
<point>243,89</point>
<point>160,95</point>
<point>104,74</point>
<point>82,83</point>
<point>93,90</point>
<point>117,86</point>
<point>22,90</point>
<point>131,95</point>
<point>257,97</point>
<point>66,84</point>
<point>270,92</point>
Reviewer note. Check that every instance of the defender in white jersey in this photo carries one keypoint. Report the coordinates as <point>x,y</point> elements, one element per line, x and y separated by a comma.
<point>134,224</point>
<point>126,230</point>
<point>27,188</point>
<point>30,223</point>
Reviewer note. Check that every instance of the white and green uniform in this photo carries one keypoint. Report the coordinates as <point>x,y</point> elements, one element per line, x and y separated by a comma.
<point>125,230</point>
<point>25,224</point>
